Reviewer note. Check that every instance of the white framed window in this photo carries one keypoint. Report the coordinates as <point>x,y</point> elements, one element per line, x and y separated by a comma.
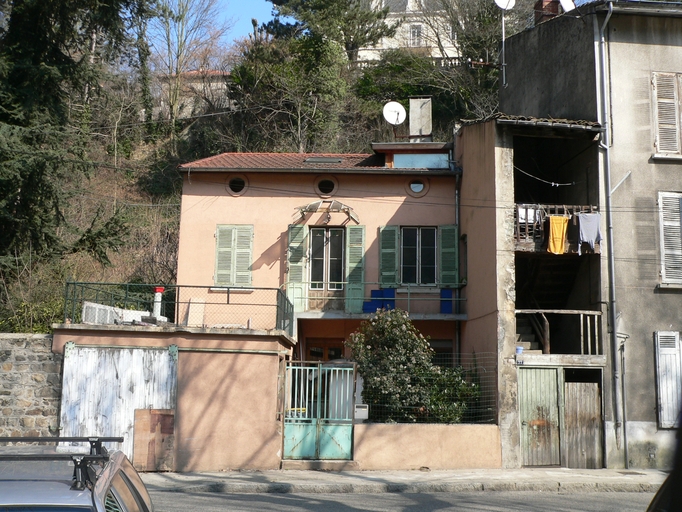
<point>326,258</point>
<point>670,212</point>
<point>418,248</point>
<point>668,377</point>
<point>234,245</point>
<point>416,35</point>
<point>666,88</point>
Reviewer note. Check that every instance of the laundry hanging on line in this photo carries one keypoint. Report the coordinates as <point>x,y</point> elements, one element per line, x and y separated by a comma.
<point>558,224</point>
<point>589,230</point>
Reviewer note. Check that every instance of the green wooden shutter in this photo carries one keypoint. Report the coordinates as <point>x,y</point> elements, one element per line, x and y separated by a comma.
<point>297,289</point>
<point>670,205</point>
<point>243,250</point>
<point>355,268</point>
<point>388,256</point>
<point>667,113</point>
<point>224,269</point>
<point>448,265</point>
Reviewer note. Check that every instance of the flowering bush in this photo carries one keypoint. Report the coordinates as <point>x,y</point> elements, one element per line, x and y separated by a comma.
<point>400,382</point>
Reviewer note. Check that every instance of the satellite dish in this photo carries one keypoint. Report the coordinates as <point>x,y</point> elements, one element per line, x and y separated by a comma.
<point>505,5</point>
<point>394,112</point>
<point>567,5</point>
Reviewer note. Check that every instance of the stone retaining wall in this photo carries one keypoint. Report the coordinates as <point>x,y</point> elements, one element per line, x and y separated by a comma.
<point>30,385</point>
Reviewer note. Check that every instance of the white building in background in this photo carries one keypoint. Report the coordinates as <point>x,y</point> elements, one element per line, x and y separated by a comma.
<point>422,30</point>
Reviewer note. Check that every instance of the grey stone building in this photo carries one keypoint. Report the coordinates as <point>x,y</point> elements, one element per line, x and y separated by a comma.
<point>589,150</point>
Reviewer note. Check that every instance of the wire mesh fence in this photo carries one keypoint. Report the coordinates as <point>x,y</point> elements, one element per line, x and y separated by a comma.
<point>459,389</point>
<point>191,306</point>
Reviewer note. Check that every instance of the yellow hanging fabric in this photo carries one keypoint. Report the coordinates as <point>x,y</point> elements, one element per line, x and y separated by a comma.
<point>557,234</point>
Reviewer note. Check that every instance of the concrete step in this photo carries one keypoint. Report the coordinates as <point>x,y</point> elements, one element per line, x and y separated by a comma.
<point>525,338</point>
<point>532,352</point>
<point>321,465</point>
<point>525,344</point>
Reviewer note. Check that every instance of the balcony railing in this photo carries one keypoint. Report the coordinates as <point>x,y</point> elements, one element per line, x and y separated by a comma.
<point>367,297</point>
<point>531,224</point>
<point>190,306</point>
<point>571,331</point>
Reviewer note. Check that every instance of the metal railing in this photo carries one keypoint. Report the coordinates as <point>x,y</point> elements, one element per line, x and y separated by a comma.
<point>529,219</point>
<point>368,296</point>
<point>191,306</point>
<point>577,331</point>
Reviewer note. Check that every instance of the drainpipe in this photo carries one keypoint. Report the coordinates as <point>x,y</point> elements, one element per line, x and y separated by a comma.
<point>458,291</point>
<point>604,144</point>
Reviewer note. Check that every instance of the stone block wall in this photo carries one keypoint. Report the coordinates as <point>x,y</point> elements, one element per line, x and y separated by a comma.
<point>30,385</point>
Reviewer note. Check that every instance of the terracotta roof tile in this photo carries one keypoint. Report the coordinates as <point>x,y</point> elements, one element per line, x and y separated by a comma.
<point>286,161</point>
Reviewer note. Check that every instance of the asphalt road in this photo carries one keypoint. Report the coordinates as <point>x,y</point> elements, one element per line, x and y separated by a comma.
<point>402,502</point>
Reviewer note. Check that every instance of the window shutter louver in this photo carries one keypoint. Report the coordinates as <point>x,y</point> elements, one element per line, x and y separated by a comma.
<point>234,245</point>
<point>667,116</point>
<point>296,264</point>
<point>388,256</point>
<point>243,250</point>
<point>670,205</point>
<point>224,255</point>
<point>448,243</point>
<point>669,377</point>
<point>355,268</point>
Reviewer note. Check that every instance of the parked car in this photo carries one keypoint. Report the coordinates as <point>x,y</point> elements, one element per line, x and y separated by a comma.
<point>45,478</point>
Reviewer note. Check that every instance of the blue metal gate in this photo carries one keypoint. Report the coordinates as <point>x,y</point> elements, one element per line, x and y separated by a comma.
<point>318,416</point>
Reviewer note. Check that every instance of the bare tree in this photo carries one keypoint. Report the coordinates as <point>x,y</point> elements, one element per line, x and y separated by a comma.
<point>183,34</point>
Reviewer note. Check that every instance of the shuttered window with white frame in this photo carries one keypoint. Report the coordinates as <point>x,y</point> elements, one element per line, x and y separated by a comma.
<point>669,377</point>
<point>234,247</point>
<point>666,93</point>
<point>670,211</point>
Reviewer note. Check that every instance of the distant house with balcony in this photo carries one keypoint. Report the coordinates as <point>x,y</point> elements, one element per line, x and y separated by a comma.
<point>423,29</point>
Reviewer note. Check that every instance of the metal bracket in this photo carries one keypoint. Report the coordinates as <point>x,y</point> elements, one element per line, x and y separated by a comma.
<point>68,348</point>
<point>173,350</point>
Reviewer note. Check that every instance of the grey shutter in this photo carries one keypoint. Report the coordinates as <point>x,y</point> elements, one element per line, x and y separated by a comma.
<point>225,242</point>
<point>355,268</point>
<point>297,289</point>
<point>388,256</point>
<point>669,376</point>
<point>667,113</point>
<point>243,250</point>
<point>448,264</point>
<point>670,206</point>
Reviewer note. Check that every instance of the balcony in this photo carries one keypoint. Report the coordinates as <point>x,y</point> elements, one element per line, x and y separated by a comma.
<point>202,307</point>
<point>559,335</point>
<point>531,226</point>
<point>326,299</point>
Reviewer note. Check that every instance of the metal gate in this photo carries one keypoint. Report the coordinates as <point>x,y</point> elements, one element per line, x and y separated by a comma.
<point>318,415</point>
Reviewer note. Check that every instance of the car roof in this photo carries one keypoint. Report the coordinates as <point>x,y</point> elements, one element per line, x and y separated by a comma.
<point>30,482</point>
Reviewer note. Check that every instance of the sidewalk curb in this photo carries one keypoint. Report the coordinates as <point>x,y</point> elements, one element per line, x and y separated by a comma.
<point>430,487</point>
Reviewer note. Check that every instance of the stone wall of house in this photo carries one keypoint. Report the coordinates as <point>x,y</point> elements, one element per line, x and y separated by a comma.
<point>30,385</point>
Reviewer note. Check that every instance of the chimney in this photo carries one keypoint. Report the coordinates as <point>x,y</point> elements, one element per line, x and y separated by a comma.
<point>545,10</point>
<point>421,125</point>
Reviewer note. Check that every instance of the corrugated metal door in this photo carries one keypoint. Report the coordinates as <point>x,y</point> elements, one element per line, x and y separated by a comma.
<point>583,425</point>
<point>539,414</point>
<point>102,387</point>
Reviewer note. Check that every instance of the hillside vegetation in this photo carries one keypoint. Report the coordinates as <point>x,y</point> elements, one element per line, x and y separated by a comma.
<point>97,110</point>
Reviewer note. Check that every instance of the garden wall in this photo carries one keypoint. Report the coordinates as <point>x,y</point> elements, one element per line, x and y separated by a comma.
<point>401,446</point>
<point>30,385</point>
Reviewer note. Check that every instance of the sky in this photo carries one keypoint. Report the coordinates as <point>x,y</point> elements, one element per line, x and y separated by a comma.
<point>241,12</point>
